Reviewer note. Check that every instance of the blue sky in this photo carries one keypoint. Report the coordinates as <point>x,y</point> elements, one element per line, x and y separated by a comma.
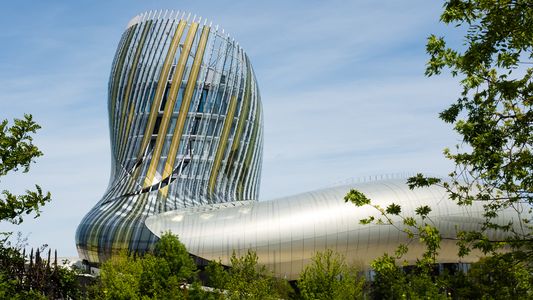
<point>341,82</point>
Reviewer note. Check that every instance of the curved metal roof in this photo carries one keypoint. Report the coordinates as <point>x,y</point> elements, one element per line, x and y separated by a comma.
<point>287,232</point>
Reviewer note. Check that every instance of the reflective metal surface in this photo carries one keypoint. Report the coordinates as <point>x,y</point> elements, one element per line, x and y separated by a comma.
<point>287,232</point>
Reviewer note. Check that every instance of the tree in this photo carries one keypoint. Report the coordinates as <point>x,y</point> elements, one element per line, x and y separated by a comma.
<point>499,276</point>
<point>167,272</point>
<point>164,274</point>
<point>175,255</point>
<point>493,115</point>
<point>217,276</point>
<point>17,151</point>
<point>421,229</point>
<point>35,276</point>
<point>390,280</point>
<point>119,278</point>
<point>245,279</point>
<point>393,282</point>
<point>40,279</point>
<point>329,277</point>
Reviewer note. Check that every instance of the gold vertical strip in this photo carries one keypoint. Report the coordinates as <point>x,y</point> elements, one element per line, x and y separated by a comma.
<point>221,149</point>
<point>169,105</point>
<point>184,108</point>
<point>125,99</point>
<point>118,71</point>
<point>161,86</point>
<point>243,116</point>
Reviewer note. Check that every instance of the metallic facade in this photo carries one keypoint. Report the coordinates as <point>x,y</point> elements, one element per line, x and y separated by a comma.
<point>287,232</point>
<point>186,129</point>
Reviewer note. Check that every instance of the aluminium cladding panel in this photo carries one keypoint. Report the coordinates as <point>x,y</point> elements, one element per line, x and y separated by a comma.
<point>287,232</point>
<point>174,84</point>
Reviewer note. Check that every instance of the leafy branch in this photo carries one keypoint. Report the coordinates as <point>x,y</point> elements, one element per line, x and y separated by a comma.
<point>17,151</point>
<point>421,228</point>
<point>493,115</point>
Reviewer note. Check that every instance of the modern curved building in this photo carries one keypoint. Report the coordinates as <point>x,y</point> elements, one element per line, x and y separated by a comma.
<point>186,132</point>
<point>186,129</point>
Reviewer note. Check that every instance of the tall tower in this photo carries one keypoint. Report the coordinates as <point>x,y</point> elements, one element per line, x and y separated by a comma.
<point>186,129</point>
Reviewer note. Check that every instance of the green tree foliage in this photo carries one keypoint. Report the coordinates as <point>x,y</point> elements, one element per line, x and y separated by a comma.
<point>497,277</point>
<point>119,278</point>
<point>390,280</point>
<point>33,277</point>
<point>17,151</point>
<point>493,163</point>
<point>393,282</point>
<point>329,277</point>
<point>217,276</point>
<point>180,265</point>
<point>22,276</point>
<point>245,279</point>
<point>493,115</point>
<point>9,290</point>
<point>164,274</point>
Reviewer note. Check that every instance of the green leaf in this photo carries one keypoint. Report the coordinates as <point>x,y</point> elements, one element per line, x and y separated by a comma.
<point>393,209</point>
<point>423,211</point>
<point>367,220</point>
<point>357,198</point>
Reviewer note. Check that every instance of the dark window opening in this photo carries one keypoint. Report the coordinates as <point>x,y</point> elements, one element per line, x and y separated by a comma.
<point>151,145</point>
<point>171,73</point>
<point>164,101</point>
<point>157,125</point>
<point>203,101</point>
<point>196,124</point>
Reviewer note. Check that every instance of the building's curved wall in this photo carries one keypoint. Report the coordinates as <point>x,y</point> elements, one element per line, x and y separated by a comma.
<point>186,129</point>
<point>287,232</point>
